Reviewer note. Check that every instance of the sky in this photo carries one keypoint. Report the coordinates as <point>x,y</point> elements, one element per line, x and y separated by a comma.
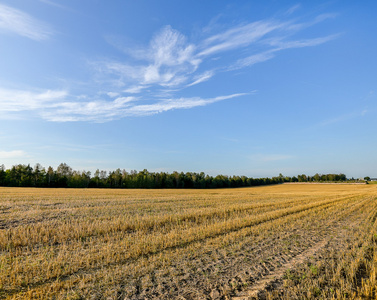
<point>252,88</point>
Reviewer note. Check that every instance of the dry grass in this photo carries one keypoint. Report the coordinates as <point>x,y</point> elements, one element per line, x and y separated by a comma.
<point>188,244</point>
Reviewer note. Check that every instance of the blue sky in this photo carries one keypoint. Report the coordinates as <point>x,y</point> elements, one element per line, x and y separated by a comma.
<point>253,88</point>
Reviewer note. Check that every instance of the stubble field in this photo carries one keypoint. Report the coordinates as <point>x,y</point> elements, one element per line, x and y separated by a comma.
<point>274,242</point>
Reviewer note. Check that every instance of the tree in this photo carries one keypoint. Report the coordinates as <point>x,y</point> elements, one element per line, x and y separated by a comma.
<point>95,180</point>
<point>302,178</point>
<point>50,176</point>
<point>2,175</point>
<point>39,175</point>
<point>64,176</point>
<point>64,170</point>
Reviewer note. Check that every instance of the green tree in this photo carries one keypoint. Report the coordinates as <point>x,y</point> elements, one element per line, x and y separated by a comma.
<point>2,175</point>
<point>50,177</point>
<point>64,173</point>
<point>64,170</point>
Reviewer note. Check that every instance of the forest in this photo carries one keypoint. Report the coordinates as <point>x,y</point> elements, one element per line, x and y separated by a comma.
<point>65,177</point>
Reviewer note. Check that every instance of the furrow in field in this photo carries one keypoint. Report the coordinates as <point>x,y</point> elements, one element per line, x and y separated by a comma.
<point>208,267</point>
<point>250,270</point>
<point>281,214</point>
<point>272,278</point>
<point>59,229</point>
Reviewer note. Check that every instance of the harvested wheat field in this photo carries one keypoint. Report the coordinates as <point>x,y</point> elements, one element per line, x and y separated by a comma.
<point>274,242</point>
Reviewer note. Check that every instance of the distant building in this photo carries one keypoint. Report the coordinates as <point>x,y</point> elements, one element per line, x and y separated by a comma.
<point>373,179</point>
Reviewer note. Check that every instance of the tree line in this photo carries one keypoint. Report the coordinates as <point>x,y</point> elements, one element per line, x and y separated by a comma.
<point>65,177</point>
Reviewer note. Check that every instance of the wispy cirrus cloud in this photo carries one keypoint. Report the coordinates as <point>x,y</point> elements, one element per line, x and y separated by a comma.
<point>59,106</point>
<point>135,89</point>
<point>152,79</point>
<point>12,154</point>
<point>18,22</point>
<point>180,103</point>
<point>52,3</point>
<point>99,111</point>
<point>201,78</point>
<point>292,9</point>
<point>168,61</point>
<point>277,44</point>
<point>342,118</point>
<point>23,100</point>
<point>239,36</point>
<point>172,61</point>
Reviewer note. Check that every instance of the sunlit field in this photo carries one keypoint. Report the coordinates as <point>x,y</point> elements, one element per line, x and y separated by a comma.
<point>313,241</point>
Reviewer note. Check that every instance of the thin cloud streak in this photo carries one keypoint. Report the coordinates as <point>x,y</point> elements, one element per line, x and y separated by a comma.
<point>94,111</point>
<point>59,106</point>
<point>202,77</point>
<point>252,60</point>
<point>279,46</point>
<point>343,118</point>
<point>135,89</point>
<point>16,21</point>
<point>20,100</point>
<point>12,154</point>
<point>100,112</point>
<point>301,43</point>
<point>238,37</point>
<point>292,9</point>
<point>181,103</point>
<point>52,3</point>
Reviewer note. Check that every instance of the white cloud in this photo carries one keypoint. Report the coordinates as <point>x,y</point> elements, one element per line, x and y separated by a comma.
<point>170,48</point>
<point>157,73</point>
<point>172,61</point>
<point>294,27</point>
<point>101,111</point>
<point>15,21</point>
<point>342,118</point>
<point>12,154</point>
<point>202,77</point>
<point>167,62</point>
<point>52,3</point>
<point>180,103</point>
<point>21,100</point>
<point>96,111</point>
<point>323,17</point>
<point>282,45</point>
<point>252,59</point>
<point>55,105</point>
<point>236,37</point>
<point>152,75</point>
<point>279,45</point>
<point>292,9</point>
<point>112,94</point>
<point>135,89</point>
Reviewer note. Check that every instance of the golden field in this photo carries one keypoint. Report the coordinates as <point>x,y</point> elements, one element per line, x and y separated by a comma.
<point>313,241</point>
